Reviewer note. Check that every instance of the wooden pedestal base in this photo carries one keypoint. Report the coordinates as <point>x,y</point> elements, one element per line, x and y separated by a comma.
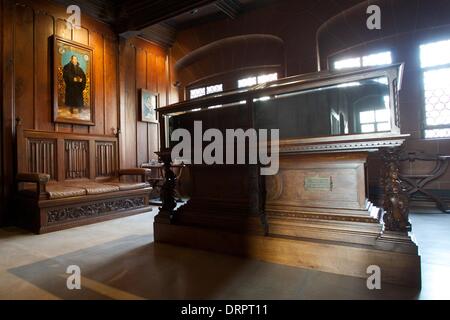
<point>395,254</point>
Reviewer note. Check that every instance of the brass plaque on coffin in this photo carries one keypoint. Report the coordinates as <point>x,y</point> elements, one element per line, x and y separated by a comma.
<point>318,184</point>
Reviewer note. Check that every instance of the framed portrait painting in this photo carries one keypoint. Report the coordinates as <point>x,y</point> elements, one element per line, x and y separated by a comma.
<point>73,92</point>
<point>148,106</point>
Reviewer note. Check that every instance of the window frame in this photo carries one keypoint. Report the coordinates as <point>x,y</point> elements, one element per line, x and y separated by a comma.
<point>375,123</point>
<point>359,55</point>
<point>247,78</point>
<point>257,79</point>
<point>345,58</point>
<point>196,88</point>
<point>205,90</point>
<point>422,71</point>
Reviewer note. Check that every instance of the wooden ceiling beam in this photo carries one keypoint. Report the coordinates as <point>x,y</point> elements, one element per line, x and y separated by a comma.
<point>161,33</point>
<point>133,15</point>
<point>232,8</point>
<point>137,15</point>
<point>105,11</point>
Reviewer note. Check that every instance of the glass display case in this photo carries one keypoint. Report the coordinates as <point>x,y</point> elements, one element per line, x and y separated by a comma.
<point>323,104</point>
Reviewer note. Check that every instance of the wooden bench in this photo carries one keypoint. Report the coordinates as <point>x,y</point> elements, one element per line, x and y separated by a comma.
<point>66,180</point>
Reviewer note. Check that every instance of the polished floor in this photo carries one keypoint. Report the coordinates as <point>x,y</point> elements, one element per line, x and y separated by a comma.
<point>119,260</point>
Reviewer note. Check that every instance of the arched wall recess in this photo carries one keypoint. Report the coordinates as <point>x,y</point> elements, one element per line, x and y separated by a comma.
<point>348,32</point>
<point>228,59</point>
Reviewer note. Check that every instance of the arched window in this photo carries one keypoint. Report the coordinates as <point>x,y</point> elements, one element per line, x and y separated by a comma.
<point>203,91</point>
<point>251,81</point>
<point>435,64</point>
<point>371,60</point>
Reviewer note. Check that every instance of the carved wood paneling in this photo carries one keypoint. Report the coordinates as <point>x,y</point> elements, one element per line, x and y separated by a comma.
<point>97,209</point>
<point>76,158</point>
<point>105,159</point>
<point>396,201</point>
<point>318,182</point>
<point>42,156</point>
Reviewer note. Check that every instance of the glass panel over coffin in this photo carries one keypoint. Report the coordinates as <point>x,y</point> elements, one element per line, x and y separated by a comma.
<point>322,104</point>
<point>348,108</point>
<point>224,116</point>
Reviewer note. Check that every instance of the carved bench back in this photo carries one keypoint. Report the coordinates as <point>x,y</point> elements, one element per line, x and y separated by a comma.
<point>67,156</point>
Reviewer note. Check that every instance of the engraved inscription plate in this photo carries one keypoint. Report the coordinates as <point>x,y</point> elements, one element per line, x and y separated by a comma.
<point>318,184</point>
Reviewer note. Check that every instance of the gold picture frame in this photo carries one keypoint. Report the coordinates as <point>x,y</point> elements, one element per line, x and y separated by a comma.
<point>73,82</point>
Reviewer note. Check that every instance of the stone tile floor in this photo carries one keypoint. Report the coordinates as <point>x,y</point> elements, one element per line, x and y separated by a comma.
<point>119,260</point>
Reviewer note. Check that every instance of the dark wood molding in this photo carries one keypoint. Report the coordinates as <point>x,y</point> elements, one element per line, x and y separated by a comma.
<point>134,15</point>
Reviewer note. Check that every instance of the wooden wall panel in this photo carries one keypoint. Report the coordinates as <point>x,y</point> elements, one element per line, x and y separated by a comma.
<point>97,42</point>
<point>153,141</point>
<point>44,28</point>
<point>129,122</point>
<point>76,154</point>
<point>105,161</point>
<point>143,66</point>
<point>34,26</point>
<point>7,110</point>
<point>81,35</point>
<point>24,55</point>
<point>142,127</point>
<point>152,77</point>
<point>152,85</point>
<point>2,199</point>
<point>42,156</point>
<point>161,85</point>
<point>61,29</point>
<point>111,85</point>
<point>162,79</point>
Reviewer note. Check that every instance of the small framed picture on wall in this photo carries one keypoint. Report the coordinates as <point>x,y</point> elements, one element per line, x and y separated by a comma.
<point>148,105</point>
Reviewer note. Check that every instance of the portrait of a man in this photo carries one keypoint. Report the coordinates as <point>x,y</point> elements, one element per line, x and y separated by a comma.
<point>73,91</point>
<point>75,80</point>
